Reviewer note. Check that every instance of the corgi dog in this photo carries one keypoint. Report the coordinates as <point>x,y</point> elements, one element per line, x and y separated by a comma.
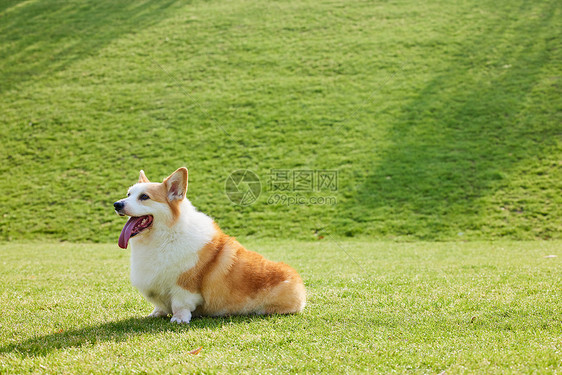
<point>184,265</point>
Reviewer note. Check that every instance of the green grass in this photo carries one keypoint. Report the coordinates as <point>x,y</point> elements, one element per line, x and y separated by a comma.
<point>476,307</point>
<point>441,118</point>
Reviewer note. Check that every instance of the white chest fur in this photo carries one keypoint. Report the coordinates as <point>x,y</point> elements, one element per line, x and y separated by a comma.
<point>158,259</point>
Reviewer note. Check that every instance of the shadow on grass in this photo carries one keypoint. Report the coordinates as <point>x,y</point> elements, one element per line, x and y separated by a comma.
<point>44,37</point>
<point>117,331</point>
<point>466,130</point>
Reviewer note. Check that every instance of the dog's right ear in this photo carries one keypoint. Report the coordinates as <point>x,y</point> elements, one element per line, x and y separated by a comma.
<point>142,177</point>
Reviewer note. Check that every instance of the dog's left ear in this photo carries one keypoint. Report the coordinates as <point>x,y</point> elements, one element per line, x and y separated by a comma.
<point>176,184</point>
<point>142,177</point>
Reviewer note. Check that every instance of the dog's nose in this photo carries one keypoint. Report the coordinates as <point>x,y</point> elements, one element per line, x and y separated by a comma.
<point>118,205</point>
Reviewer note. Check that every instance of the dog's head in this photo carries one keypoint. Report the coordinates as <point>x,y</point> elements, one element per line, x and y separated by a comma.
<point>149,202</point>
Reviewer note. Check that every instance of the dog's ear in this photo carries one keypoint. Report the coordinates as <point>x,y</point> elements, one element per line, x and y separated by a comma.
<point>176,184</point>
<point>142,177</point>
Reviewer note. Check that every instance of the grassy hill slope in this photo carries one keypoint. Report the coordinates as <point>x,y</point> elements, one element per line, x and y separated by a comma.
<point>441,120</point>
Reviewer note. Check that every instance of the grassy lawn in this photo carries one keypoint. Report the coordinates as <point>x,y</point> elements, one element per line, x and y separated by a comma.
<point>442,119</point>
<point>477,307</point>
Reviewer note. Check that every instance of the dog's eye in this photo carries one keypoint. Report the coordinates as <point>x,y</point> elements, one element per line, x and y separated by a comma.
<point>128,194</point>
<point>144,197</point>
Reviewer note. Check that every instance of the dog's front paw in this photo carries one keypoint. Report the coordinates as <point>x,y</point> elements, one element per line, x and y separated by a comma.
<point>181,317</point>
<point>157,313</point>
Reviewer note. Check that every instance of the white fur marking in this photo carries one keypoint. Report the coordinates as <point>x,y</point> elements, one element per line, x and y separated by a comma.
<point>162,253</point>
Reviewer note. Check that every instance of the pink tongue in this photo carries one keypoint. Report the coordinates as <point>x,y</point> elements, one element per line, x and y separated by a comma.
<point>127,231</point>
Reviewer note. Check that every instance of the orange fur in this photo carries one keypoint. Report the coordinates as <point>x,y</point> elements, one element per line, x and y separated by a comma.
<point>159,193</point>
<point>233,280</point>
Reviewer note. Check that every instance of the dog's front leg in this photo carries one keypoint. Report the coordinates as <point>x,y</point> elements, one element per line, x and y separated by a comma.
<point>158,313</point>
<point>183,303</point>
<point>160,309</point>
<point>181,316</point>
